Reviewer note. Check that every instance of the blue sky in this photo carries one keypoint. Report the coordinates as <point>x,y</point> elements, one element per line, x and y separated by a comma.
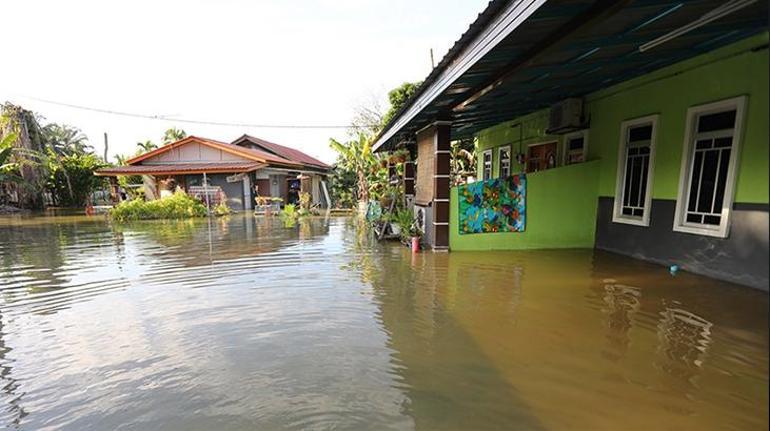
<point>256,62</point>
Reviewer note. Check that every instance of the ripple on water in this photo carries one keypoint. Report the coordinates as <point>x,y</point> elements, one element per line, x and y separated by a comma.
<point>241,323</point>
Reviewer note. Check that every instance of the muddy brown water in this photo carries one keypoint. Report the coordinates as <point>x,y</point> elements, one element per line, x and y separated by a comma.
<point>242,323</point>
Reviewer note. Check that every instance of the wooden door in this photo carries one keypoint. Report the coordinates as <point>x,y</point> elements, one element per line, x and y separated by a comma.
<point>262,187</point>
<point>541,157</point>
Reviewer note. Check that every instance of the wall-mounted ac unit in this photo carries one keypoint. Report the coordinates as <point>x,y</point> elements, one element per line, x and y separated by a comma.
<point>566,116</point>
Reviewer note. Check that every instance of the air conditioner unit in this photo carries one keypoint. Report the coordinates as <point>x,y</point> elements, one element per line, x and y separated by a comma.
<point>566,116</point>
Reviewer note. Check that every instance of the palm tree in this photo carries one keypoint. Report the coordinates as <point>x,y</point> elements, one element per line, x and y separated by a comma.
<point>173,135</point>
<point>64,140</point>
<point>146,146</point>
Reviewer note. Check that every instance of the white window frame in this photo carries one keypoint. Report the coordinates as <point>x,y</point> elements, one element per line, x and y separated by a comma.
<point>500,160</point>
<point>723,229</point>
<point>567,137</point>
<point>484,164</point>
<point>620,177</point>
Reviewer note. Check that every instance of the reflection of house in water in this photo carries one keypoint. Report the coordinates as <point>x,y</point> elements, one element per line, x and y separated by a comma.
<point>622,302</point>
<point>683,342</point>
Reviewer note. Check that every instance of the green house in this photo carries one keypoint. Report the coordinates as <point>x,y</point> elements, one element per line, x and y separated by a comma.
<point>641,128</point>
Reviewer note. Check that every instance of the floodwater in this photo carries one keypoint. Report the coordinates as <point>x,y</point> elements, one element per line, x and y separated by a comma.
<point>242,323</point>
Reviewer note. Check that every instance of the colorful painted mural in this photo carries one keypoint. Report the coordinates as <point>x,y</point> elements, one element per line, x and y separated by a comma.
<point>496,205</point>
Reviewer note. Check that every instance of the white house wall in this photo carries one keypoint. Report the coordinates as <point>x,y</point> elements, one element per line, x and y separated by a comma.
<point>193,152</point>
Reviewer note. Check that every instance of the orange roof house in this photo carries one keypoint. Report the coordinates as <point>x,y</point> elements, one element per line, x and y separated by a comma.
<point>237,172</point>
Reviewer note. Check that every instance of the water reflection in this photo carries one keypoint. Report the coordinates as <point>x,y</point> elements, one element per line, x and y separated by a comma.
<point>242,323</point>
<point>622,302</point>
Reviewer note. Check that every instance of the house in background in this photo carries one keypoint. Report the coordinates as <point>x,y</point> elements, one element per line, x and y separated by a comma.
<point>641,127</point>
<point>237,172</point>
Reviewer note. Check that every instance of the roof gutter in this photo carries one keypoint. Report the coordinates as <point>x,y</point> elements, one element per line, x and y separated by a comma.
<point>507,20</point>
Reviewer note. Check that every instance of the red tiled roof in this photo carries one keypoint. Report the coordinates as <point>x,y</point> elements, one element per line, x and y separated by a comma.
<point>181,168</point>
<point>249,153</point>
<point>285,152</point>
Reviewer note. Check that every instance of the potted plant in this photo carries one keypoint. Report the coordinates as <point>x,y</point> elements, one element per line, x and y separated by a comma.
<point>414,237</point>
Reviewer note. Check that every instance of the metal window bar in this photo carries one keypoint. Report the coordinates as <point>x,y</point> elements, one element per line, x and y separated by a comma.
<point>707,141</point>
<point>636,168</point>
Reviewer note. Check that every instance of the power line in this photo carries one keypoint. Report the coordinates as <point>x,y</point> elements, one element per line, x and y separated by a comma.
<point>189,121</point>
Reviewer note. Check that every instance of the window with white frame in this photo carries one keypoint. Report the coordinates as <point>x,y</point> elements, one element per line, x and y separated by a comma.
<point>575,147</point>
<point>504,161</point>
<point>636,157</point>
<point>709,165</point>
<point>486,165</point>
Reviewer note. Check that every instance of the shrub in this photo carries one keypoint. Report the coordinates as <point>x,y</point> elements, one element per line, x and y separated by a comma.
<point>177,206</point>
<point>221,209</point>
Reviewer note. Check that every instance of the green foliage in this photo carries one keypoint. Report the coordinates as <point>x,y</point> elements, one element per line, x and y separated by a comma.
<point>398,97</point>
<point>356,157</point>
<point>289,215</point>
<point>71,178</point>
<point>177,206</point>
<point>172,135</point>
<point>463,160</point>
<point>221,209</point>
<point>304,204</point>
<point>145,147</point>
<point>64,140</point>
<point>342,185</point>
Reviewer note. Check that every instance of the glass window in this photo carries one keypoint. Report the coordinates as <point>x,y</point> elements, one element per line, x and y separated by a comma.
<point>708,174</point>
<point>635,159</point>
<point>487,168</point>
<point>504,160</point>
<point>575,147</point>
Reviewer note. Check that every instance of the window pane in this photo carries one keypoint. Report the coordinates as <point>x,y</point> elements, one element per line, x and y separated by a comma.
<point>703,144</point>
<point>721,180</point>
<point>640,133</point>
<point>627,211</point>
<point>635,178</point>
<point>708,179</point>
<point>723,142</point>
<point>696,168</point>
<point>694,218</point>
<point>576,143</point>
<point>712,220</point>
<point>643,181</point>
<point>627,185</point>
<point>718,121</point>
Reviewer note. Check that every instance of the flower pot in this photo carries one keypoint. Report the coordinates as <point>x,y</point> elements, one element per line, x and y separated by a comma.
<point>415,244</point>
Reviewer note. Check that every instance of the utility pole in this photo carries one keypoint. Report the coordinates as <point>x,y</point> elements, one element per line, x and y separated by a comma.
<point>105,147</point>
<point>432,63</point>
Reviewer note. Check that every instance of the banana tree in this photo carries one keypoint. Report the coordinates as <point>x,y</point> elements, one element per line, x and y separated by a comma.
<point>357,156</point>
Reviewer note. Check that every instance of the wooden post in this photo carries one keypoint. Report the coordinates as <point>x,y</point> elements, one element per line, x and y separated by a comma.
<point>441,184</point>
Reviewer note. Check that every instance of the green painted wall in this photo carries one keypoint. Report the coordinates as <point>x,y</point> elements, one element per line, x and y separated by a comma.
<point>561,213</point>
<point>732,71</point>
<point>735,70</point>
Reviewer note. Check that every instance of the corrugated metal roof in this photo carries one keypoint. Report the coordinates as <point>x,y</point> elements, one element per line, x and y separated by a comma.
<point>181,168</point>
<point>248,153</point>
<point>282,151</point>
<point>564,48</point>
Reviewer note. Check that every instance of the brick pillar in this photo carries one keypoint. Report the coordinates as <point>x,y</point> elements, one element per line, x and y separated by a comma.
<point>441,171</point>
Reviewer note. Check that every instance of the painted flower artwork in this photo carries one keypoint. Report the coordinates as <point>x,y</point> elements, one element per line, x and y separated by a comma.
<point>496,205</point>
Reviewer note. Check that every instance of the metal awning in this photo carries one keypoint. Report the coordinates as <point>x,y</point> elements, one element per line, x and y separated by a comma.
<point>522,56</point>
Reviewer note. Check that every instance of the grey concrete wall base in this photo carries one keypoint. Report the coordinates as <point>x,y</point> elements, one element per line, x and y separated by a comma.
<point>741,258</point>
